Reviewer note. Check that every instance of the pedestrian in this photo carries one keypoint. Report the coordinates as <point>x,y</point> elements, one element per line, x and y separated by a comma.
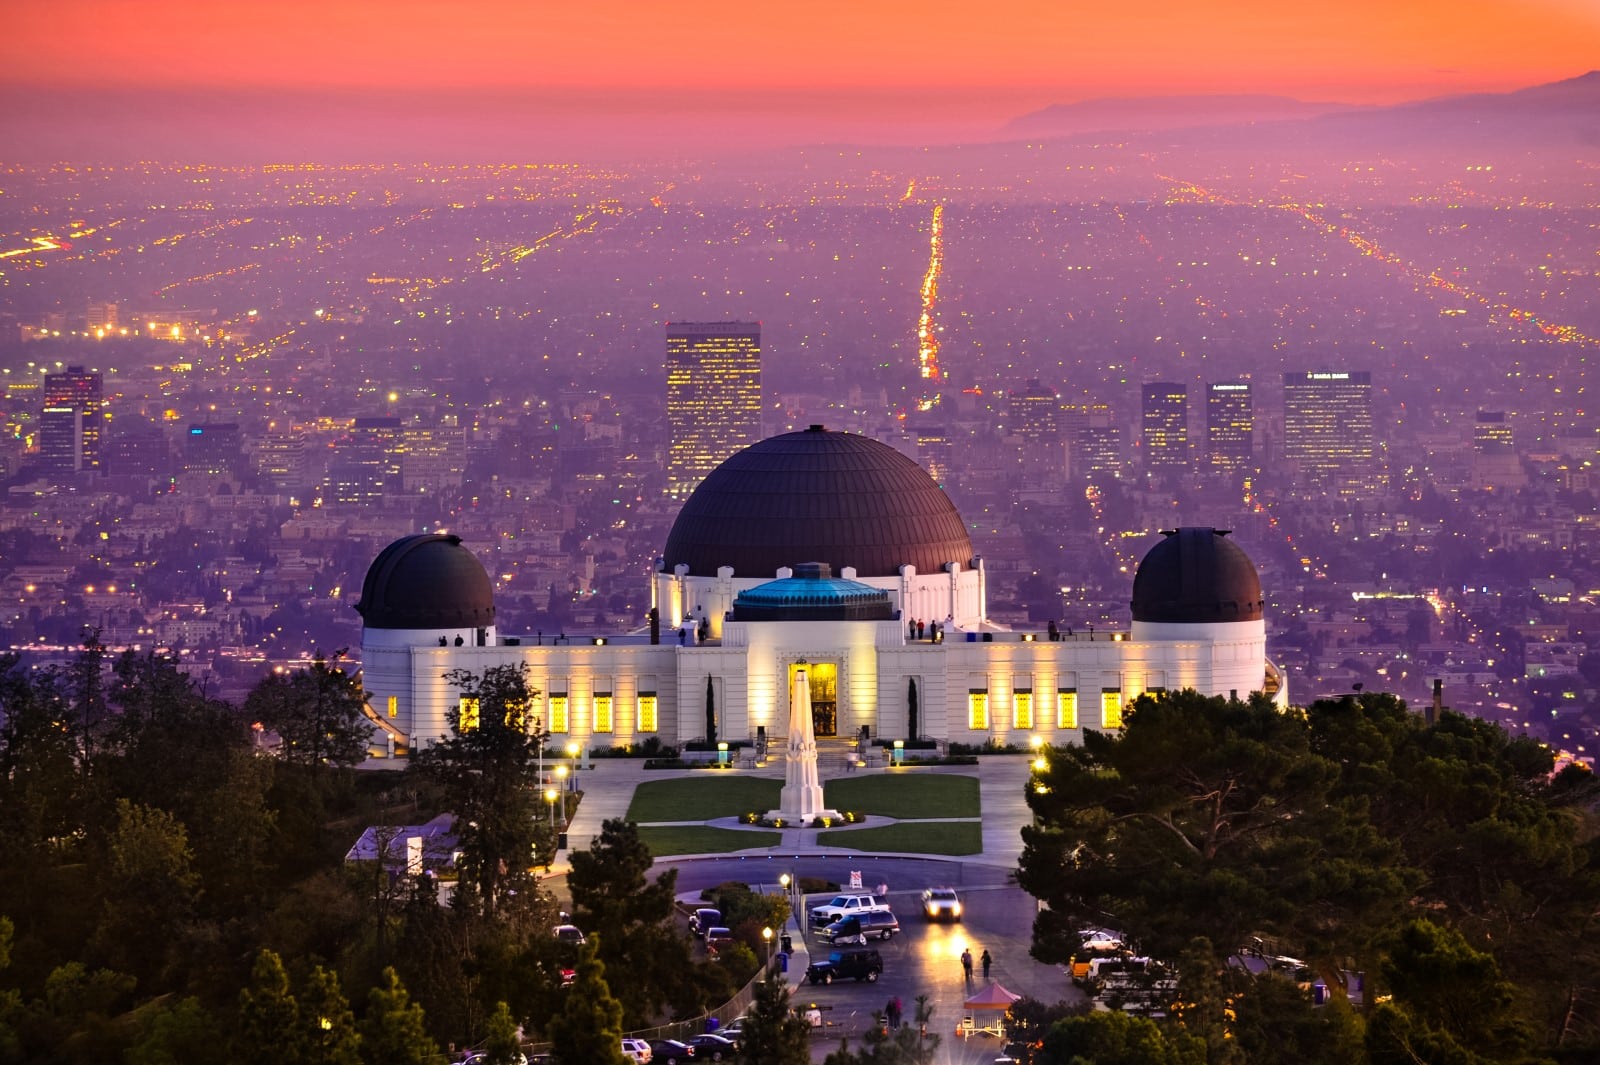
<point>987,961</point>
<point>920,629</point>
<point>897,1012</point>
<point>911,629</point>
<point>966,965</point>
<point>1055,633</point>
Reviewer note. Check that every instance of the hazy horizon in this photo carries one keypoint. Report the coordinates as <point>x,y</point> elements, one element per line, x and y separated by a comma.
<point>362,81</point>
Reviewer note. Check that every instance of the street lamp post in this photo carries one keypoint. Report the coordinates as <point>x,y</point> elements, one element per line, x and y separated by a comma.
<point>572,754</point>
<point>766,936</point>
<point>550,797</point>
<point>790,887</point>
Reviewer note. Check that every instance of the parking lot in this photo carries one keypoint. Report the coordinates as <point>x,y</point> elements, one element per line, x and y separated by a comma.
<point>925,958</point>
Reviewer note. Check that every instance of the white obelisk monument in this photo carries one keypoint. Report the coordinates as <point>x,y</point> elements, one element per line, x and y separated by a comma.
<point>801,798</point>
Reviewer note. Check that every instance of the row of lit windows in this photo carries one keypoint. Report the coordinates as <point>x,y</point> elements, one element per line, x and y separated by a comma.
<point>1065,710</point>
<point>646,718</point>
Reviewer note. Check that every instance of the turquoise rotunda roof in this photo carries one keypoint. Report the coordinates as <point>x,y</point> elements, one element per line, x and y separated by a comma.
<point>813,594</point>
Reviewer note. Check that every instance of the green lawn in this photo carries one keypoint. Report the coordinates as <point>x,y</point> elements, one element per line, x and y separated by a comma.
<point>701,798</point>
<point>698,839</point>
<point>911,837</point>
<point>906,794</point>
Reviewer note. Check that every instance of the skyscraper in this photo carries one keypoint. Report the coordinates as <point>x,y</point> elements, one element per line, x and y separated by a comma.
<point>78,390</point>
<point>713,397</point>
<point>1327,425</point>
<point>1165,410</point>
<point>1034,415</point>
<point>1495,463</point>
<point>1230,425</point>
<point>1096,441</point>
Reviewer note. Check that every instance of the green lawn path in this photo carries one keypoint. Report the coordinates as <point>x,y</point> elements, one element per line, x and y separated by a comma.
<point>911,837</point>
<point>699,839</point>
<point>904,795</point>
<point>702,798</point>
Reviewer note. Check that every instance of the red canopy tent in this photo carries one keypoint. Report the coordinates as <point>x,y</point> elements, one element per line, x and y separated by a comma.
<point>993,997</point>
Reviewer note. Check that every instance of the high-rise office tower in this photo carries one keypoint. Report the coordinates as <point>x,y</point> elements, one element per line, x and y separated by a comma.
<point>1034,414</point>
<point>369,465</point>
<point>1033,419</point>
<point>80,390</point>
<point>713,397</point>
<point>1165,410</point>
<point>281,458</point>
<point>1495,463</point>
<point>61,444</point>
<point>1096,441</point>
<point>137,450</point>
<point>1327,425</point>
<point>1230,425</point>
<point>213,447</point>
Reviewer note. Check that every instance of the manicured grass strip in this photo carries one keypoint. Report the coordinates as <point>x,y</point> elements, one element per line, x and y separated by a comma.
<point>702,798</point>
<point>915,837</point>
<point>905,794</point>
<point>698,839</point>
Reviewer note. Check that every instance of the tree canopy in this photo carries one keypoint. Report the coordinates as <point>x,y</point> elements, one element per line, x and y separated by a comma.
<point>1330,830</point>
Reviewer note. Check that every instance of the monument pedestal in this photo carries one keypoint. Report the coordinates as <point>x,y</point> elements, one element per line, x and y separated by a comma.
<point>800,801</point>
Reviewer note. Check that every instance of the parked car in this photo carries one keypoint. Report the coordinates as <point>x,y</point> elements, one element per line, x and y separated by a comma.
<point>704,918</point>
<point>636,1050</point>
<point>570,933</point>
<point>941,904</point>
<point>713,1047</point>
<point>717,936</point>
<point>1101,940</point>
<point>880,925</point>
<point>480,1057</point>
<point>670,1052</point>
<point>846,965</point>
<point>846,906</point>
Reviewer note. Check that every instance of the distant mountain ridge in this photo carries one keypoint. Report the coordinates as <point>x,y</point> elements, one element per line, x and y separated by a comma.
<point>1149,113</point>
<point>1557,113</point>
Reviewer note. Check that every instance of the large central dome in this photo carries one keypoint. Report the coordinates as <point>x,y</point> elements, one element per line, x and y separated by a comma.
<point>817,496</point>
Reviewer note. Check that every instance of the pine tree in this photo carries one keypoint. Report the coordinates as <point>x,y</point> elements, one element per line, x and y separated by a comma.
<point>329,1026</point>
<point>502,1047</point>
<point>773,1034</point>
<point>394,1031</point>
<point>269,1030</point>
<point>589,1030</point>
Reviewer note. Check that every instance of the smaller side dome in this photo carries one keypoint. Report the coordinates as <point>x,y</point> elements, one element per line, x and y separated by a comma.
<point>427,581</point>
<point>1196,576</point>
<point>812,594</point>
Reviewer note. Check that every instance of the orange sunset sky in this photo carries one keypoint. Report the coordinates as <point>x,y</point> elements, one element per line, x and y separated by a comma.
<point>896,65</point>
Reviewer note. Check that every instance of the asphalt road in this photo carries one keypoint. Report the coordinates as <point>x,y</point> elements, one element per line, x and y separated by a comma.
<point>924,958</point>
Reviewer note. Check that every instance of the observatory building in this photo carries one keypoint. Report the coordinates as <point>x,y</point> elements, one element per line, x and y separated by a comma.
<point>814,550</point>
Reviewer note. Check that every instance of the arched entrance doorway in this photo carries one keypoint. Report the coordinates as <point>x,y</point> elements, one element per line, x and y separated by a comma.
<point>823,678</point>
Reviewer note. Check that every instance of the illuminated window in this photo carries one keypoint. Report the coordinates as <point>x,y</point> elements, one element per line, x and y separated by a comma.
<point>558,713</point>
<point>1067,708</point>
<point>1111,707</point>
<point>647,712</point>
<point>394,706</point>
<point>1022,708</point>
<point>468,714</point>
<point>978,709</point>
<point>602,712</point>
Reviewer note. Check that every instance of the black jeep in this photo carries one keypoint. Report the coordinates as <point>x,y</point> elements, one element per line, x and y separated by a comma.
<point>846,964</point>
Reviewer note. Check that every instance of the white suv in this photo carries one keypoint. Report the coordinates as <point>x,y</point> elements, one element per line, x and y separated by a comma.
<point>636,1050</point>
